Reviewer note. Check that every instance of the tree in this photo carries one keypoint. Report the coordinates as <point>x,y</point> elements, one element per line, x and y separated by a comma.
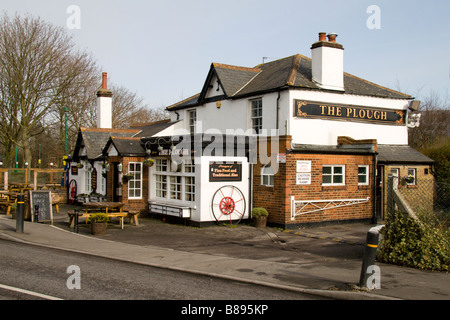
<point>39,68</point>
<point>434,129</point>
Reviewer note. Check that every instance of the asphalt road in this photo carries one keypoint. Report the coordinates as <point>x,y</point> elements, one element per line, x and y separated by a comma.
<point>50,272</point>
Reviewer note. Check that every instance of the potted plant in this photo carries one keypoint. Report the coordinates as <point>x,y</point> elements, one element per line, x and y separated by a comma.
<point>127,176</point>
<point>98,223</point>
<point>94,197</point>
<point>149,162</point>
<point>259,216</point>
<point>83,198</point>
<point>408,179</point>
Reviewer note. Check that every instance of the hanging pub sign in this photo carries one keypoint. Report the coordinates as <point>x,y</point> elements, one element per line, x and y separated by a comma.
<point>94,180</point>
<point>221,172</point>
<point>308,109</point>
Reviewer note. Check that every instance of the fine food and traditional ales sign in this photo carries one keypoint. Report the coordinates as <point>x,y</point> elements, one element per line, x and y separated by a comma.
<point>225,171</point>
<point>308,109</point>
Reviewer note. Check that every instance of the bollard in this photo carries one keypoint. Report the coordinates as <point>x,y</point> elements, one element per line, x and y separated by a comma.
<point>36,214</point>
<point>20,213</point>
<point>370,252</point>
<point>76,221</point>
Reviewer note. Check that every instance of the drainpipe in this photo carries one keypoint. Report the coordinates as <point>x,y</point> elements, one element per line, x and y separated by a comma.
<point>278,109</point>
<point>375,163</point>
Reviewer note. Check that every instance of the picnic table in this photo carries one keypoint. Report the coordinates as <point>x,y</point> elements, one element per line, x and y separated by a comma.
<point>7,199</point>
<point>112,209</point>
<point>20,187</point>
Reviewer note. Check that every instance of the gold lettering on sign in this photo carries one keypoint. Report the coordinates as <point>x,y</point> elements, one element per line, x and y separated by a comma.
<point>350,112</point>
<point>376,115</point>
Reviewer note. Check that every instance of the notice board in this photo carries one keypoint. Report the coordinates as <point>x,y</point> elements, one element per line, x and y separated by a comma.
<point>41,200</point>
<point>225,171</point>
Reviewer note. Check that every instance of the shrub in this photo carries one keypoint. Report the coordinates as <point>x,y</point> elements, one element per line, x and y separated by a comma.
<point>259,212</point>
<point>98,217</point>
<point>406,242</point>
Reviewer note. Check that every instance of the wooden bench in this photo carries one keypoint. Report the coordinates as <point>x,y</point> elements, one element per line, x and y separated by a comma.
<point>7,204</point>
<point>71,215</point>
<point>120,215</point>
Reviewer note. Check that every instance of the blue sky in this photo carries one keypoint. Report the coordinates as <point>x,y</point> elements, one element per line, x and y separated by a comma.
<point>162,50</point>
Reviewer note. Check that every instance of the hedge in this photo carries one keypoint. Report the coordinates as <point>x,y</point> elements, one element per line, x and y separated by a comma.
<point>405,242</point>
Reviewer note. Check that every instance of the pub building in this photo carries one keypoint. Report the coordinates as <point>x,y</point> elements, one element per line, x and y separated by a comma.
<point>298,136</point>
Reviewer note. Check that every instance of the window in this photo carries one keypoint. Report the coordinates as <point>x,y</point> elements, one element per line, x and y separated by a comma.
<point>192,115</point>
<point>333,175</point>
<point>87,181</point>
<point>175,185</point>
<point>189,192</point>
<point>256,116</point>
<point>363,175</point>
<point>189,166</point>
<point>412,177</point>
<point>161,165</point>
<point>135,183</point>
<point>161,186</point>
<point>267,176</point>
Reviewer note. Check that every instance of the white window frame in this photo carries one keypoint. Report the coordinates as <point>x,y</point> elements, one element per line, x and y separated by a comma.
<point>256,118</point>
<point>267,176</point>
<point>87,181</point>
<point>414,174</point>
<point>175,186</point>
<point>132,181</point>
<point>189,188</point>
<point>333,174</point>
<point>192,120</point>
<point>365,175</point>
<point>161,186</point>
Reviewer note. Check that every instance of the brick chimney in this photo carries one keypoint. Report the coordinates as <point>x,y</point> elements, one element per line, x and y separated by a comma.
<point>104,105</point>
<point>328,62</point>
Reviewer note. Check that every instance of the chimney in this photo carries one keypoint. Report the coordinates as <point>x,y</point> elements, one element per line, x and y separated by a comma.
<point>328,62</point>
<point>104,105</point>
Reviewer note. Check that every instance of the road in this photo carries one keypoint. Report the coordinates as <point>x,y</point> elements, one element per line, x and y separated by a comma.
<point>72,276</point>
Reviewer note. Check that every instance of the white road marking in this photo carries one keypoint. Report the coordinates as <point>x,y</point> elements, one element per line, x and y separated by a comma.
<point>32,293</point>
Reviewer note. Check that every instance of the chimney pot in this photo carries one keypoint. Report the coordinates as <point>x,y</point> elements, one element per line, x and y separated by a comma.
<point>322,36</point>
<point>104,80</point>
<point>332,37</point>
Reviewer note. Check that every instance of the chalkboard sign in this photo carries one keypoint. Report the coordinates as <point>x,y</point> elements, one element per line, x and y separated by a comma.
<point>41,202</point>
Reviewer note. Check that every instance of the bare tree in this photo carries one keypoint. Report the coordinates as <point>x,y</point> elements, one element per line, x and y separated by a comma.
<point>434,129</point>
<point>39,68</point>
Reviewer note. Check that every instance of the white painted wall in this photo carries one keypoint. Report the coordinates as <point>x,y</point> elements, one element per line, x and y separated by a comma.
<point>328,67</point>
<point>207,189</point>
<point>235,115</point>
<point>80,177</point>
<point>201,210</point>
<point>104,112</point>
<point>325,132</point>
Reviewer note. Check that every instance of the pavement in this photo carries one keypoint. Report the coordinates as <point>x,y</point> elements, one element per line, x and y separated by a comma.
<point>322,261</point>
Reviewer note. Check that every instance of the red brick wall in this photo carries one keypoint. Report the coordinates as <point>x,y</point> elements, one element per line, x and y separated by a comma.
<point>276,199</point>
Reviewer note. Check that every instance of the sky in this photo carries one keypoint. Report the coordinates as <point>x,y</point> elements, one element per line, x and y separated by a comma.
<point>162,50</point>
